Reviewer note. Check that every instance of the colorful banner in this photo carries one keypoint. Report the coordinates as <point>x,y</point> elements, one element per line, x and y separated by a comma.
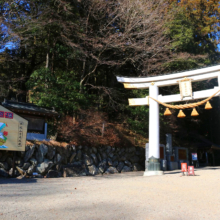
<point>13,131</point>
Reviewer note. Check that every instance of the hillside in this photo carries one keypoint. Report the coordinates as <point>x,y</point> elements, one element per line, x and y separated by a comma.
<point>87,129</point>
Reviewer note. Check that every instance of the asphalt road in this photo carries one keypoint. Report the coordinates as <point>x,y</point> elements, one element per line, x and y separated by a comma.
<point>117,196</point>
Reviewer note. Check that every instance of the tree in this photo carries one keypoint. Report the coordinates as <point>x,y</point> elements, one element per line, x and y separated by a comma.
<point>203,13</point>
<point>59,90</point>
<point>37,30</point>
<point>195,30</point>
<point>125,36</point>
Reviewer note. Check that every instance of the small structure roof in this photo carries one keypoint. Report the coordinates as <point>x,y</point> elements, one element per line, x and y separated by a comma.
<point>215,147</point>
<point>203,142</point>
<point>29,108</point>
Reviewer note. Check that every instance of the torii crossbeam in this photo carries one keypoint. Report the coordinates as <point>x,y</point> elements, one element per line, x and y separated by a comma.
<point>153,83</point>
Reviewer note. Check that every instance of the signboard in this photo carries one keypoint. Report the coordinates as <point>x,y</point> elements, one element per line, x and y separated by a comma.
<point>162,153</point>
<point>172,158</point>
<point>185,88</point>
<point>194,157</point>
<point>13,131</point>
<point>191,170</point>
<point>182,153</point>
<point>183,167</point>
<point>169,143</point>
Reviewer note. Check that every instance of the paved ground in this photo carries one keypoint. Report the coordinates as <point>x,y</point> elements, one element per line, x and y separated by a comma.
<point>118,196</point>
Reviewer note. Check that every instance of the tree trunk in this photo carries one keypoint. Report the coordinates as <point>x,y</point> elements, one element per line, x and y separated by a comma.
<point>47,61</point>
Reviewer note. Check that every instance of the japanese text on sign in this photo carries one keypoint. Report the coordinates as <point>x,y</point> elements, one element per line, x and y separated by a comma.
<point>185,88</point>
<point>20,133</point>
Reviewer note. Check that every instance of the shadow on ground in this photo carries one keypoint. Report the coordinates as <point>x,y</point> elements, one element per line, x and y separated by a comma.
<point>17,181</point>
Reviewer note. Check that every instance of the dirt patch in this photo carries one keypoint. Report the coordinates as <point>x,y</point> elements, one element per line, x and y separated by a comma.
<point>93,128</point>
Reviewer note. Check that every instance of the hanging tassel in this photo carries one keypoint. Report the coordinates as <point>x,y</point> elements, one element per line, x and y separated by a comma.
<point>194,112</point>
<point>181,114</point>
<point>208,105</point>
<point>167,112</point>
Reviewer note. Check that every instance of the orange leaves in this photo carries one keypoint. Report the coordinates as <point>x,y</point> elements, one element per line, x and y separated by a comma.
<point>204,14</point>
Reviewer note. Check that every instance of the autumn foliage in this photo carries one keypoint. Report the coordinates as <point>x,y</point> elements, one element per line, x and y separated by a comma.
<point>93,128</point>
<point>203,13</point>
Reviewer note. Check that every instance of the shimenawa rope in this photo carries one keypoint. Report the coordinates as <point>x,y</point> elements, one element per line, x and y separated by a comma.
<point>190,105</point>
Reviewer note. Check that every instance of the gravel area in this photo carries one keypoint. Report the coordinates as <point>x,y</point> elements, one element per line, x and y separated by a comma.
<point>116,196</point>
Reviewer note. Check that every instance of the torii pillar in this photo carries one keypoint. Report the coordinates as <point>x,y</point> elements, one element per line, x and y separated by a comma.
<point>153,167</point>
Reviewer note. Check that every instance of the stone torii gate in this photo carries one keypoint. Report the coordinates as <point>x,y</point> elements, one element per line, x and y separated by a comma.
<point>153,83</point>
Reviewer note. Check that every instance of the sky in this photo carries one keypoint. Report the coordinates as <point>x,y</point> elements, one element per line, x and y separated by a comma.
<point>8,45</point>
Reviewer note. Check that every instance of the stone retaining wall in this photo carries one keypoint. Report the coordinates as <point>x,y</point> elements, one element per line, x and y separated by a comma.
<point>47,160</point>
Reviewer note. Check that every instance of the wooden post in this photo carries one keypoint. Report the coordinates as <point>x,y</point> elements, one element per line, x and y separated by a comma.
<point>103,128</point>
<point>13,164</point>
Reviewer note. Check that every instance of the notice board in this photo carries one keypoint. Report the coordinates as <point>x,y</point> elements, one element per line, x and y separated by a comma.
<point>182,154</point>
<point>13,130</point>
<point>194,157</point>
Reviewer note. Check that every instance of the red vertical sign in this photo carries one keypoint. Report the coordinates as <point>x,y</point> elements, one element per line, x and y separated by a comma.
<point>183,167</point>
<point>191,170</point>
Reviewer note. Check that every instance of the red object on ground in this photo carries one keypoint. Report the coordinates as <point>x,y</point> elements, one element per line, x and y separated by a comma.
<point>183,167</point>
<point>5,133</point>
<point>191,170</point>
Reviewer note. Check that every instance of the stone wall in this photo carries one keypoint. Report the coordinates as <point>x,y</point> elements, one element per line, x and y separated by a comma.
<point>48,160</point>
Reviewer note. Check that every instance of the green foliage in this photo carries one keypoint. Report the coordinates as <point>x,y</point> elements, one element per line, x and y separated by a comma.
<point>60,90</point>
<point>181,31</point>
<point>139,124</point>
<point>187,45</point>
<point>52,127</point>
<point>185,36</point>
<point>138,118</point>
<point>93,41</point>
